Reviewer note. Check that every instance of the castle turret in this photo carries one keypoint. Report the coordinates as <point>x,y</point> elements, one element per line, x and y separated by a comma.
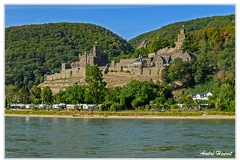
<point>65,66</point>
<point>95,50</point>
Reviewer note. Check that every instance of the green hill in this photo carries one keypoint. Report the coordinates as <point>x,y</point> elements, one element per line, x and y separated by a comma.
<point>34,50</point>
<point>212,40</point>
<point>170,31</point>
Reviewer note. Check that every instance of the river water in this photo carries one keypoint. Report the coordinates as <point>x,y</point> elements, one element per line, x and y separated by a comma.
<point>27,137</point>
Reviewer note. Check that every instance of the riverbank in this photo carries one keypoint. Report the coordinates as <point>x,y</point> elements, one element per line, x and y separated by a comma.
<point>123,115</point>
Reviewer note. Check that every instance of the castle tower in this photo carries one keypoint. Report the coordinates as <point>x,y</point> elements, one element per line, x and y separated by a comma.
<point>181,38</point>
<point>95,50</point>
<point>79,57</point>
<point>85,59</point>
<point>64,67</point>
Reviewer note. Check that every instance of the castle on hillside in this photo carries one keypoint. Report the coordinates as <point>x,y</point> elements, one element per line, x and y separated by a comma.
<point>141,67</point>
<point>155,62</point>
<point>78,68</point>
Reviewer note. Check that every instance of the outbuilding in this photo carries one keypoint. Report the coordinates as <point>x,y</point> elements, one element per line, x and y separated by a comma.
<point>201,96</point>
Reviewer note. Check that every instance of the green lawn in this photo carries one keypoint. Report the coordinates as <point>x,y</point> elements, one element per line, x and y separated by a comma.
<point>119,113</point>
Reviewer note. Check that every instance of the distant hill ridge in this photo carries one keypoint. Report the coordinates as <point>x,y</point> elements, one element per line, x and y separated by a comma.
<point>170,31</point>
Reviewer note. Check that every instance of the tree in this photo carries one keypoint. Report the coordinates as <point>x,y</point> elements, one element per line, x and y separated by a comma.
<point>182,71</point>
<point>187,101</point>
<point>158,44</point>
<point>35,94</point>
<point>10,93</point>
<point>139,101</point>
<point>141,51</point>
<point>137,93</point>
<point>164,76</point>
<point>201,68</point>
<point>24,95</point>
<point>190,44</point>
<point>46,95</point>
<point>74,94</point>
<point>214,39</point>
<point>174,70</point>
<point>160,100</point>
<point>59,97</point>
<point>96,88</point>
<point>225,97</point>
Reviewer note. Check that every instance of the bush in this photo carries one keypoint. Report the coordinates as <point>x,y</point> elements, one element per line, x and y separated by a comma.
<point>136,103</point>
<point>106,105</point>
<point>174,106</point>
<point>7,107</point>
<point>147,107</point>
<point>114,106</point>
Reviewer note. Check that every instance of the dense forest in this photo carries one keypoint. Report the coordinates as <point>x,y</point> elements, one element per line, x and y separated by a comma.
<point>34,50</point>
<point>212,40</point>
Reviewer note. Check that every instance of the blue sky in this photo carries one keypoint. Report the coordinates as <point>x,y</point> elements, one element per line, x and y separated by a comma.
<point>128,21</point>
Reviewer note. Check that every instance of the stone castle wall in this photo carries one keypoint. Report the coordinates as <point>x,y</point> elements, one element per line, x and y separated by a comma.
<point>126,62</point>
<point>66,74</point>
<point>137,71</point>
<point>147,71</point>
<point>156,63</point>
<point>165,51</point>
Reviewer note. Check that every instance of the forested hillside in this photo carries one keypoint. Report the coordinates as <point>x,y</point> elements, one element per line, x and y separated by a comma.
<point>170,31</point>
<point>212,40</point>
<point>34,50</point>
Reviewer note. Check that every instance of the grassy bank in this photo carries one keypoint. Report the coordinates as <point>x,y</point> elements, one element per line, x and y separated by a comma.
<point>119,113</point>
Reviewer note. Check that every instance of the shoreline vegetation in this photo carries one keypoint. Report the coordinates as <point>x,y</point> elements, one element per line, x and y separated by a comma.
<point>122,114</point>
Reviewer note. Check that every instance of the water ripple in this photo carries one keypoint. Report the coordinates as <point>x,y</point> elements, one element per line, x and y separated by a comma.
<point>115,138</point>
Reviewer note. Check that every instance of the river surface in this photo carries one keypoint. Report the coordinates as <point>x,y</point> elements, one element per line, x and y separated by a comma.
<point>29,137</point>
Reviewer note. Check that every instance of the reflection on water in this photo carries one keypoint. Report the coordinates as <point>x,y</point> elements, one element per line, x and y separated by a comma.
<point>27,137</point>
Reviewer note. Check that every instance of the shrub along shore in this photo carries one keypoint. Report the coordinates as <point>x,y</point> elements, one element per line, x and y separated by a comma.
<point>123,114</point>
